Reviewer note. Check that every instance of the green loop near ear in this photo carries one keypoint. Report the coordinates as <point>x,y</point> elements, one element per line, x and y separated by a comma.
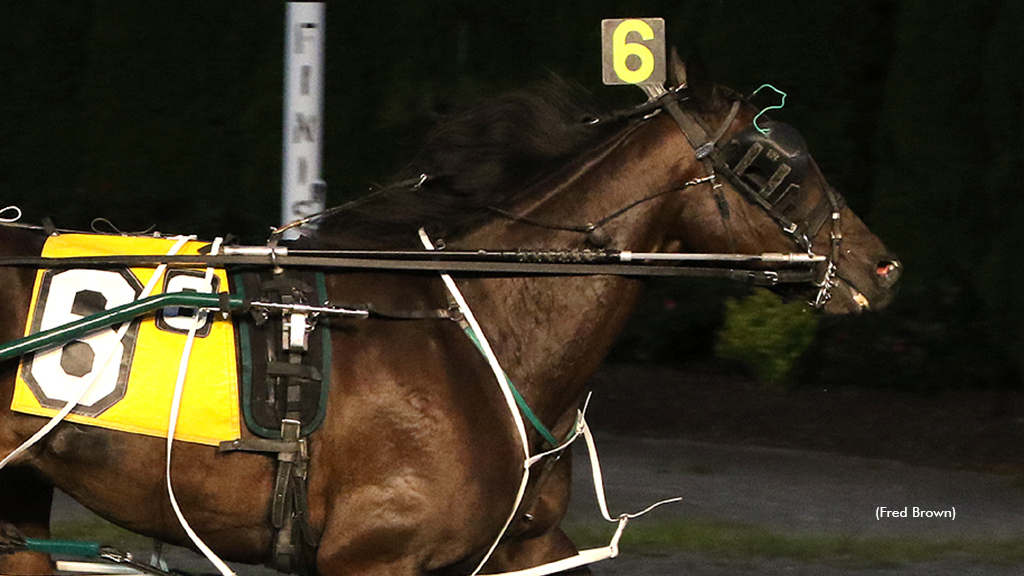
<point>777,107</point>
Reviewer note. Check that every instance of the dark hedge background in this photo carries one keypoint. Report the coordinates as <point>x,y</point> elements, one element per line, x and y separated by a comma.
<point>169,114</point>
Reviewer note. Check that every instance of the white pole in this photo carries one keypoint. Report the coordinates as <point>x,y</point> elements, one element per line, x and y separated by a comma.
<point>303,193</point>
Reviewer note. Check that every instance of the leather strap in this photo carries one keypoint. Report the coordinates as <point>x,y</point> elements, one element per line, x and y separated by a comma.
<point>293,370</point>
<point>483,267</point>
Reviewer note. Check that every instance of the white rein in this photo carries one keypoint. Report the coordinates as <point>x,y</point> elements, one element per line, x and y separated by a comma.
<point>582,558</point>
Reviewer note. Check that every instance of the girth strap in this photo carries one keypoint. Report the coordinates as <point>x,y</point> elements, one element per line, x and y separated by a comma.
<point>289,503</point>
<point>288,393</point>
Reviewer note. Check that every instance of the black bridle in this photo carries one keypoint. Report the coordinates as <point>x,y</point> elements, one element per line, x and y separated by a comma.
<point>767,167</point>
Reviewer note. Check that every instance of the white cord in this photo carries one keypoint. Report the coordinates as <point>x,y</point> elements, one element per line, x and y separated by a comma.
<point>582,558</point>
<point>8,220</point>
<point>71,404</point>
<point>595,554</point>
<point>485,347</point>
<point>499,375</point>
<point>172,425</point>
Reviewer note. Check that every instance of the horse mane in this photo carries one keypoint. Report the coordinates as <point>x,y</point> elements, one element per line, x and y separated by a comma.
<point>472,162</point>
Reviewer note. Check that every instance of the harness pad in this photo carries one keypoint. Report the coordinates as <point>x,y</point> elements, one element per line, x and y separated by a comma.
<point>274,382</point>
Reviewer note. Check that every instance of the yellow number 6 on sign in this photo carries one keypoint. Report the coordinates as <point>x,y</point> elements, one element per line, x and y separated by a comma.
<point>633,51</point>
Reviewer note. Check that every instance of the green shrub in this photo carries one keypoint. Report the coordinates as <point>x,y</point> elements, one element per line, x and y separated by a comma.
<point>766,335</point>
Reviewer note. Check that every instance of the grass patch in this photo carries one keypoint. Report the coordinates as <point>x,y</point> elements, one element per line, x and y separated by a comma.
<point>99,530</point>
<point>740,541</point>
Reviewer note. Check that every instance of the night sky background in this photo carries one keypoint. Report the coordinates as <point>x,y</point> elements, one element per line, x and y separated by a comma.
<point>169,114</point>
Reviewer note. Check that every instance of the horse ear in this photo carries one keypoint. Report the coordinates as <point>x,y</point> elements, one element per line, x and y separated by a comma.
<point>694,73</point>
<point>676,69</point>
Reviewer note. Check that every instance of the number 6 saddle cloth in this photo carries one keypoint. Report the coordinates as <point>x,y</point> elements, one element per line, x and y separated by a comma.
<point>131,378</point>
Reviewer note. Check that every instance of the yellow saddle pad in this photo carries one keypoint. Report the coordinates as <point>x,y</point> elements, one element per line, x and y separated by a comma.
<point>132,379</point>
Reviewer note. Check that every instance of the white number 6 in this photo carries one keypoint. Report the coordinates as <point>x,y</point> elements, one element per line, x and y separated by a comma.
<point>57,374</point>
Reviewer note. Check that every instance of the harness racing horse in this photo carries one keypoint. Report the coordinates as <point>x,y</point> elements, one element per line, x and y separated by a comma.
<point>417,465</point>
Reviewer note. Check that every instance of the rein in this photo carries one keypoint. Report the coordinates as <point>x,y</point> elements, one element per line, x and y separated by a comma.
<point>705,143</point>
<point>595,237</point>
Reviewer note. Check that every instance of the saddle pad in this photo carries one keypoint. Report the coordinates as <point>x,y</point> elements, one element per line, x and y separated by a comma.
<point>134,388</point>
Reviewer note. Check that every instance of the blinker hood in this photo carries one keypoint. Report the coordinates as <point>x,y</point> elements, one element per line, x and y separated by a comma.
<point>768,165</point>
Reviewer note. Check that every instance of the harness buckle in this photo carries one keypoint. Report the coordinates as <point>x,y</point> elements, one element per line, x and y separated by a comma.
<point>704,150</point>
<point>296,329</point>
<point>826,285</point>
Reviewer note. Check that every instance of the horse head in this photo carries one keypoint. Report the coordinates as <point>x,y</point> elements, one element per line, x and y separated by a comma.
<point>769,195</point>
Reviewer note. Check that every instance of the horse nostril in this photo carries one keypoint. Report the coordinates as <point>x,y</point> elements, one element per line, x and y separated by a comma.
<point>888,272</point>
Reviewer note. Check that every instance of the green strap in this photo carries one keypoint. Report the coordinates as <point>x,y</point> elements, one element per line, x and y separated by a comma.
<point>73,330</point>
<point>523,406</point>
<point>64,547</point>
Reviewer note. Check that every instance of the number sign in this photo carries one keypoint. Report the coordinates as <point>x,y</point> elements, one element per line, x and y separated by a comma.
<point>57,374</point>
<point>633,51</point>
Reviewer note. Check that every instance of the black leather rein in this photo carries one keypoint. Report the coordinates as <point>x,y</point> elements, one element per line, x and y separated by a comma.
<point>479,263</point>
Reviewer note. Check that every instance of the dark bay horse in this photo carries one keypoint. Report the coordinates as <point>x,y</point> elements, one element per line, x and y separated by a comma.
<point>416,467</point>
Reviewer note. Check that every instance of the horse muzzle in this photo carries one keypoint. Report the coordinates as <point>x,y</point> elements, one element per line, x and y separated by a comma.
<point>870,291</point>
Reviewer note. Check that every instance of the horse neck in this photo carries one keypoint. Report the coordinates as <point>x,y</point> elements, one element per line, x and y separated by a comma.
<point>550,334</point>
<point>16,285</point>
<point>15,281</point>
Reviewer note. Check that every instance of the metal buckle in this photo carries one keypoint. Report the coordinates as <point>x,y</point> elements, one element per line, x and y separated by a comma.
<point>296,328</point>
<point>825,287</point>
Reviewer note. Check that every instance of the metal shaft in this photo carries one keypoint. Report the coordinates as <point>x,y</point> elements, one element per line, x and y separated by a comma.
<point>77,329</point>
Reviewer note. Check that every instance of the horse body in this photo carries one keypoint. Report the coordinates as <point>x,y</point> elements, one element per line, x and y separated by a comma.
<point>448,470</point>
<point>416,466</point>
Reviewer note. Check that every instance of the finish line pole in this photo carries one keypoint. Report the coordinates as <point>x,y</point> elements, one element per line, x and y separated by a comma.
<point>303,193</point>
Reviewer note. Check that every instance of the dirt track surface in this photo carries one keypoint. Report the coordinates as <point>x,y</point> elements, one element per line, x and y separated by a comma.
<point>788,492</point>
<point>793,493</point>
<point>801,491</point>
<point>702,435</point>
